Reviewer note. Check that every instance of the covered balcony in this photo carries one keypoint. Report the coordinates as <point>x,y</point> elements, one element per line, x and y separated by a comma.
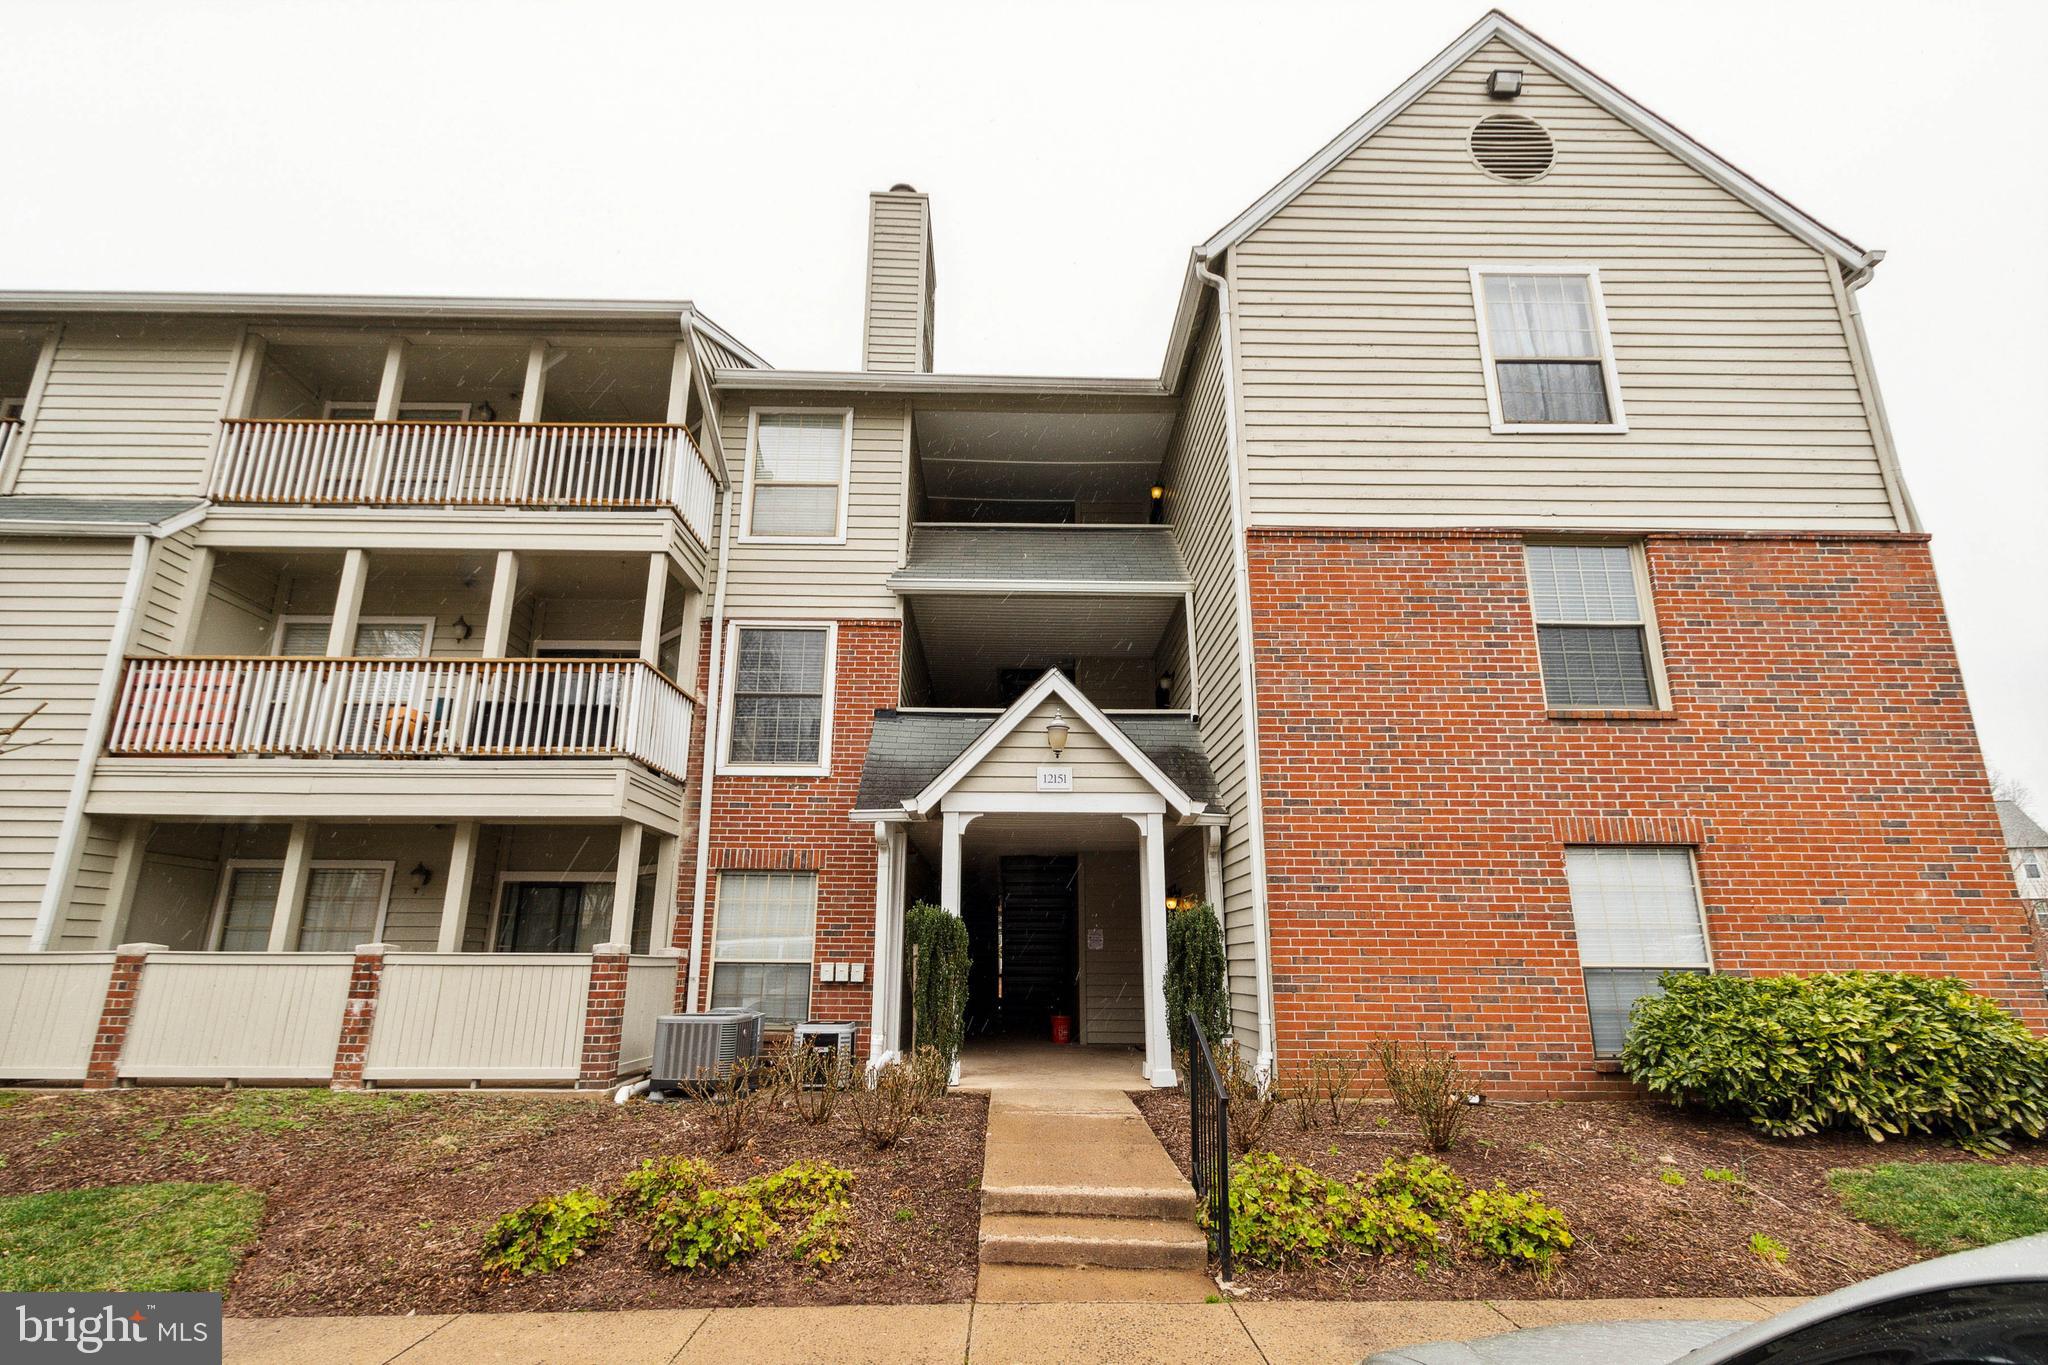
<point>454,421</point>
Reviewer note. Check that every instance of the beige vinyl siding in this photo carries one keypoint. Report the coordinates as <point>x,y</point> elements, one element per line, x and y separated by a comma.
<point>896,334</point>
<point>163,598</point>
<point>1012,766</point>
<point>1112,976</point>
<point>1198,508</point>
<point>132,408</point>
<point>1364,396</point>
<point>58,601</point>
<point>764,578</point>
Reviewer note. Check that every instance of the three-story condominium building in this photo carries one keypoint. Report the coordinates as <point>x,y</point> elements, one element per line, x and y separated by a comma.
<point>1505,593</point>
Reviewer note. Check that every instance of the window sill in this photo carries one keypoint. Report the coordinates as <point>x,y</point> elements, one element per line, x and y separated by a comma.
<point>1573,714</point>
<point>746,770</point>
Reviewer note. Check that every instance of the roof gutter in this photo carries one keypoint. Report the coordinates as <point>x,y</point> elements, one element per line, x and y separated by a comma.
<point>1247,679</point>
<point>1853,281</point>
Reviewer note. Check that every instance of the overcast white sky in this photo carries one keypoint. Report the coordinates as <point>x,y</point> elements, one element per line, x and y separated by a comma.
<point>1073,151</point>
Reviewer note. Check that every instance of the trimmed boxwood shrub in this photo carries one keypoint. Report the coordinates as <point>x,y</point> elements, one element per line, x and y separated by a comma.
<point>1884,1052</point>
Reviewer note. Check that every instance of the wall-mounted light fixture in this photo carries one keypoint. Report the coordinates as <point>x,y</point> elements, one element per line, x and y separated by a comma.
<point>1162,692</point>
<point>1056,733</point>
<point>464,628</point>
<point>1504,84</point>
<point>421,874</point>
<point>1158,503</point>
<point>1176,901</point>
<point>485,412</point>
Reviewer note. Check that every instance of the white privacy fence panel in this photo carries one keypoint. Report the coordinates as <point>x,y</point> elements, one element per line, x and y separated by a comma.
<point>552,464</point>
<point>650,993</point>
<point>237,1016</point>
<point>49,1011</point>
<point>457,1017</point>
<point>488,708</point>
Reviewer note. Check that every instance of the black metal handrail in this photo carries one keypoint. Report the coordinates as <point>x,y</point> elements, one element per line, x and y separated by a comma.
<point>1209,1138</point>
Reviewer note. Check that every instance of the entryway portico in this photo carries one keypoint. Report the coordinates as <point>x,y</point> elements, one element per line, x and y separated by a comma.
<point>978,811</point>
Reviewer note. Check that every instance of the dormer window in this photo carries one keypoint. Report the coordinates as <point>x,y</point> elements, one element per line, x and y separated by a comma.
<point>1543,341</point>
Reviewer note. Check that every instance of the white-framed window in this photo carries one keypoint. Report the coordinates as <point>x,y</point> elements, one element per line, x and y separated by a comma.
<point>1637,912</point>
<point>377,637</point>
<point>407,412</point>
<point>761,943</point>
<point>777,699</point>
<point>798,466</point>
<point>552,912</point>
<point>1596,637</point>
<point>346,903</point>
<point>1544,344</point>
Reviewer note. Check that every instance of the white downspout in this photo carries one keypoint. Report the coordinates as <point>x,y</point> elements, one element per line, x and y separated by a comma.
<point>713,694</point>
<point>1246,684</point>
<point>71,833</point>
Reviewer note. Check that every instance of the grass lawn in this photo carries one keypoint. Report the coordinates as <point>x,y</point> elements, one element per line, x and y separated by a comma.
<point>1948,1205</point>
<point>169,1236</point>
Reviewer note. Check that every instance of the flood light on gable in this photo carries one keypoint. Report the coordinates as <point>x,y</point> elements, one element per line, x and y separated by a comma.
<point>1504,84</point>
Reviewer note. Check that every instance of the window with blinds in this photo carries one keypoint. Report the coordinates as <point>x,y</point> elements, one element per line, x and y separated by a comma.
<point>777,715</point>
<point>798,475</point>
<point>1592,628</point>
<point>344,907</point>
<point>1637,912</point>
<point>761,943</point>
<point>1548,360</point>
<point>306,637</point>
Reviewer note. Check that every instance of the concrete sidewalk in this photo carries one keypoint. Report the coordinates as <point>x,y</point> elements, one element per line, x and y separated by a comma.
<point>988,1333</point>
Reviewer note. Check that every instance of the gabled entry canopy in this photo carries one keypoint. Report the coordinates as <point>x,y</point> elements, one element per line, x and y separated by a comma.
<point>1090,731</point>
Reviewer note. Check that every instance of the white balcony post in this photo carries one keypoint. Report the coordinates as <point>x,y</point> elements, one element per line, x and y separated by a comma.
<point>626,888</point>
<point>348,604</point>
<point>652,605</point>
<point>455,895</point>
<point>192,607</point>
<point>1152,934</point>
<point>129,853</point>
<point>532,397</point>
<point>668,850</point>
<point>390,393</point>
<point>681,371</point>
<point>291,888</point>
<point>504,587</point>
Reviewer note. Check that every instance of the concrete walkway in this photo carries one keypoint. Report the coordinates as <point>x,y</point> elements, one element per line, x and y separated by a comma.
<point>988,1333</point>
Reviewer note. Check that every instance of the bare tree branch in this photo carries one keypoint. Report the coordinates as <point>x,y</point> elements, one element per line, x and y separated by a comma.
<point>11,730</point>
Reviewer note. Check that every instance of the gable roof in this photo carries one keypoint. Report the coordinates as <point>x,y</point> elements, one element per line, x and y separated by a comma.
<point>1054,684</point>
<point>2019,827</point>
<point>1667,135</point>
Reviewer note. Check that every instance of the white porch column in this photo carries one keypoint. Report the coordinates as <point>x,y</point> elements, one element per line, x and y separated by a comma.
<point>391,384</point>
<point>504,588</point>
<point>1152,927</point>
<point>127,875</point>
<point>679,377</point>
<point>668,852</point>
<point>536,387</point>
<point>953,824</point>
<point>885,977</point>
<point>626,884</point>
<point>348,604</point>
<point>455,894</point>
<point>291,889</point>
<point>1212,868</point>
<point>652,605</point>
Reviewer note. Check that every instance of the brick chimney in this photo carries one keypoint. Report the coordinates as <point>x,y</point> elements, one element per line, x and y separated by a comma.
<point>896,333</point>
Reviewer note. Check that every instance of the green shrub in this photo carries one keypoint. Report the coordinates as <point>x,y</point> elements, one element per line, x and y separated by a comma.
<point>709,1228</point>
<point>545,1235</point>
<point>1422,1181</point>
<point>1427,1081</point>
<point>1516,1226</point>
<point>1194,976</point>
<point>817,1192</point>
<point>935,963</point>
<point>662,1178</point>
<point>1381,1223</point>
<point>1280,1211</point>
<point>1883,1052</point>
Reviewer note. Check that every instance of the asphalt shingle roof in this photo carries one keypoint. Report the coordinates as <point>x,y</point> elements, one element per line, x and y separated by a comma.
<point>1073,554</point>
<point>136,513</point>
<point>2021,829</point>
<point>910,748</point>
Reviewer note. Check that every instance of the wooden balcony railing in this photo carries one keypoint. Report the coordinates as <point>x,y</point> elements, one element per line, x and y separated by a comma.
<point>403,708</point>
<point>439,464</point>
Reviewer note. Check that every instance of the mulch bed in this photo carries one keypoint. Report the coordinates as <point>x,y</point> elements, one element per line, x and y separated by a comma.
<point>1637,1237</point>
<point>381,1206</point>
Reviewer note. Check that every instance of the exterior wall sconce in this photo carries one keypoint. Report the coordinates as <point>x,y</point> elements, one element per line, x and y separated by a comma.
<point>1158,508</point>
<point>1504,84</point>
<point>1176,901</point>
<point>1163,690</point>
<point>485,412</point>
<point>1056,733</point>
<point>466,629</point>
<point>421,874</point>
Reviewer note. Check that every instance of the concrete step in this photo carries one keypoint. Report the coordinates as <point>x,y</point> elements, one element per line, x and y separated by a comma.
<point>1175,1201</point>
<point>1071,1240</point>
<point>1090,1284</point>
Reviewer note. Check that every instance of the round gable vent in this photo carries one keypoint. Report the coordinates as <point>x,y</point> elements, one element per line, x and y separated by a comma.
<point>1512,147</point>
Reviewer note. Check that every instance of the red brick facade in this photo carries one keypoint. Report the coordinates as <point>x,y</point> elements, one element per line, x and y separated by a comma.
<point>359,1015</point>
<point>604,1017</point>
<point>1819,755</point>
<point>103,1064</point>
<point>800,823</point>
